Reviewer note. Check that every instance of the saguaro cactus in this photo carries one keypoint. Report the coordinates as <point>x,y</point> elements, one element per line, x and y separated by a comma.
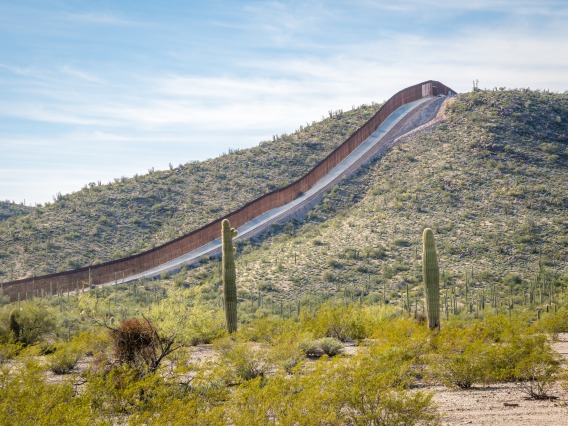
<point>14,323</point>
<point>229,276</point>
<point>431,276</point>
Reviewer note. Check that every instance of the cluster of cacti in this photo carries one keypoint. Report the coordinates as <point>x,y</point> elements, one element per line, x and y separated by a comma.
<point>229,276</point>
<point>431,276</point>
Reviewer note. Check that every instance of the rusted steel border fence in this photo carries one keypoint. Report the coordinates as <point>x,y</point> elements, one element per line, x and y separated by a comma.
<point>117,269</point>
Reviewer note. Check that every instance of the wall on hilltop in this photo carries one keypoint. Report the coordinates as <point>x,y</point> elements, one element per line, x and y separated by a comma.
<point>121,268</point>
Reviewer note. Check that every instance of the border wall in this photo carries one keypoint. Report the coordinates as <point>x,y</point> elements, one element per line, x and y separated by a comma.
<point>117,269</point>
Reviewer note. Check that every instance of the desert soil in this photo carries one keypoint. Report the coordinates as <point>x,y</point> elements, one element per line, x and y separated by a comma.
<point>503,404</point>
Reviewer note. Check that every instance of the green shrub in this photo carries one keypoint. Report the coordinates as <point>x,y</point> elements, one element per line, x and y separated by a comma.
<point>241,361</point>
<point>120,391</point>
<point>28,324</point>
<point>325,346</point>
<point>329,277</point>
<point>9,351</point>
<point>26,398</point>
<point>63,361</point>
<point>461,359</point>
<point>537,366</point>
<point>554,323</point>
<point>345,323</point>
<point>371,391</point>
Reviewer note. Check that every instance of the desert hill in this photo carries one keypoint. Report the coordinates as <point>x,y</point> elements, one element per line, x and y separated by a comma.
<point>490,180</point>
<point>9,209</point>
<point>107,221</point>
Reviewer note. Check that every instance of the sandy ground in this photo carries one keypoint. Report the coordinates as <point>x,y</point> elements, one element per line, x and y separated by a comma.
<point>503,404</point>
<point>497,405</point>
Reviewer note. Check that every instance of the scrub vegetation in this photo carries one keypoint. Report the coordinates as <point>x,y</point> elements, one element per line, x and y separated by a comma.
<point>9,209</point>
<point>332,326</point>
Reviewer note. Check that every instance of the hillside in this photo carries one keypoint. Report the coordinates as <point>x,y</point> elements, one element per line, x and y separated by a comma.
<point>130,215</point>
<point>9,209</point>
<point>490,180</point>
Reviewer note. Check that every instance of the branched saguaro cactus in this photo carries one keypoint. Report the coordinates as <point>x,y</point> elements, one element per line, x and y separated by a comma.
<point>431,276</point>
<point>229,276</point>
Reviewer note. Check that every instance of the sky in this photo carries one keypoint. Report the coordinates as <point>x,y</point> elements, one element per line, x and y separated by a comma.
<point>95,90</point>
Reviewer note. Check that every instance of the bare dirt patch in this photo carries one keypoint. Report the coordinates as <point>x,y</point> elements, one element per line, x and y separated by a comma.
<point>504,404</point>
<point>498,405</point>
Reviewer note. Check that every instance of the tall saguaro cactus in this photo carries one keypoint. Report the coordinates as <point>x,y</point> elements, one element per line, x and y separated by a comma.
<point>431,276</point>
<point>229,276</point>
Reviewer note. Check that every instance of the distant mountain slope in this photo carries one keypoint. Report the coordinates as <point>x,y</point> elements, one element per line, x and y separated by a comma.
<point>9,209</point>
<point>491,181</point>
<point>104,222</point>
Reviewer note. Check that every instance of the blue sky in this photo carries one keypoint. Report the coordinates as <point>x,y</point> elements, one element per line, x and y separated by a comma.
<point>96,90</point>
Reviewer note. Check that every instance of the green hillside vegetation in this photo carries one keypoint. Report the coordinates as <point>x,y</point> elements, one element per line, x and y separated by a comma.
<point>491,182</point>
<point>10,209</point>
<point>330,309</point>
<point>130,215</point>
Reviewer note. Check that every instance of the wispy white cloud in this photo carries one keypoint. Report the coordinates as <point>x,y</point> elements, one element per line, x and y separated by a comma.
<point>283,22</point>
<point>443,7</point>
<point>45,113</point>
<point>82,75</point>
<point>20,71</point>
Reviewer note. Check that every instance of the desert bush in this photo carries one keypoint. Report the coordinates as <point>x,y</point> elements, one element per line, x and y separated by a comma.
<point>289,400</point>
<point>333,392</point>
<point>9,351</point>
<point>192,409</point>
<point>267,329</point>
<point>371,391</point>
<point>402,339</point>
<point>91,343</point>
<point>345,323</point>
<point>63,360</point>
<point>203,327</point>
<point>329,277</point>
<point>121,391</point>
<point>537,366</point>
<point>192,325</point>
<point>27,324</point>
<point>87,343</point>
<point>495,350</point>
<point>553,323</point>
<point>140,345</point>
<point>241,361</point>
<point>26,398</point>
<point>325,346</point>
<point>280,337</point>
<point>461,358</point>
